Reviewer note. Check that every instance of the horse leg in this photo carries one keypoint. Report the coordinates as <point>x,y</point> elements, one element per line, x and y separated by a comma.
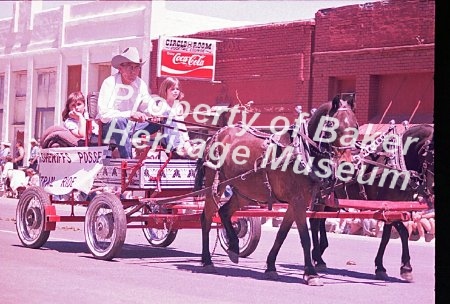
<point>310,276</point>
<point>319,243</point>
<point>285,226</point>
<point>225,213</point>
<point>323,238</point>
<point>380,271</point>
<point>206,222</point>
<point>405,269</point>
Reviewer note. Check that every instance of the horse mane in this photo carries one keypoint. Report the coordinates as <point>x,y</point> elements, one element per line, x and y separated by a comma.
<point>423,131</point>
<point>313,122</point>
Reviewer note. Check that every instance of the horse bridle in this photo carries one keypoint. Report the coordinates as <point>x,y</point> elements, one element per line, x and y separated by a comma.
<point>428,162</point>
<point>333,150</point>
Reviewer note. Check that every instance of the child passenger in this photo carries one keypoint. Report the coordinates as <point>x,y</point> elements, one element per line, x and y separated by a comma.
<point>177,136</point>
<point>74,116</point>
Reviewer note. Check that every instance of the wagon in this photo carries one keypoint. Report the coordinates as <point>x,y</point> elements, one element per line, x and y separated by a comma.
<point>154,192</point>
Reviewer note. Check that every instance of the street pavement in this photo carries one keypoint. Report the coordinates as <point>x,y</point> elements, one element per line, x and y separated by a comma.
<point>64,271</point>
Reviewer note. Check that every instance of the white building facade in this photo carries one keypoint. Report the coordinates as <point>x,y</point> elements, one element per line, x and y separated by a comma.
<point>46,55</point>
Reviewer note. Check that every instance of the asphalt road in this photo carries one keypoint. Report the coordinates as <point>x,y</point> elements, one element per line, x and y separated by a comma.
<point>64,271</point>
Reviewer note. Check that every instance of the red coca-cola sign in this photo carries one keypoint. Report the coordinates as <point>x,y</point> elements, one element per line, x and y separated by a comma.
<point>186,57</point>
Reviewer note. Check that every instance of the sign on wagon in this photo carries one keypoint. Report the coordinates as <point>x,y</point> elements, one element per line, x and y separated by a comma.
<point>65,169</point>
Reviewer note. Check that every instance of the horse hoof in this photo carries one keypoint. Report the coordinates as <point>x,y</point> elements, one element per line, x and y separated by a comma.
<point>209,269</point>
<point>313,280</point>
<point>407,276</point>
<point>321,267</point>
<point>271,275</point>
<point>234,257</point>
<point>406,273</point>
<point>381,275</point>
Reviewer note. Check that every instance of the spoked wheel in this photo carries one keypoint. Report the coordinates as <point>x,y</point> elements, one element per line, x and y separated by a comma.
<point>30,217</point>
<point>248,230</point>
<point>160,237</point>
<point>105,226</point>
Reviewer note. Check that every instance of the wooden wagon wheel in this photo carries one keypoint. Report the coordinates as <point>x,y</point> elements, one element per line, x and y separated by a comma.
<point>248,230</point>
<point>160,237</point>
<point>105,226</point>
<point>30,217</point>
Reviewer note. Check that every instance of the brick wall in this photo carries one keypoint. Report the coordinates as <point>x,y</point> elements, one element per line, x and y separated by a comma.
<point>371,42</point>
<point>352,48</point>
<point>269,64</point>
<point>376,24</point>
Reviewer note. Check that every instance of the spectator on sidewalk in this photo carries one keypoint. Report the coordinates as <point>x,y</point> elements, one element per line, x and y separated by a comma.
<point>5,151</point>
<point>34,154</point>
<point>19,155</point>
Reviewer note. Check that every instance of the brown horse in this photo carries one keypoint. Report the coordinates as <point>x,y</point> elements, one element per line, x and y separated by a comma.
<point>264,168</point>
<point>419,159</point>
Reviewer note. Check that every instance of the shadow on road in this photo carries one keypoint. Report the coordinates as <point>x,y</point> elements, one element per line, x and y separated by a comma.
<point>256,273</point>
<point>291,273</point>
<point>345,273</point>
<point>187,261</point>
<point>128,251</point>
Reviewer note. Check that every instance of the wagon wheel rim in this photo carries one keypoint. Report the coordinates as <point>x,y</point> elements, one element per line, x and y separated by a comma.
<point>101,230</point>
<point>31,224</point>
<point>159,234</point>
<point>241,227</point>
<point>104,225</point>
<point>33,218</point>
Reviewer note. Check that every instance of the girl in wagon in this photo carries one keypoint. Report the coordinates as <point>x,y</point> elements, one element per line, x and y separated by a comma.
<point>75,115</point>
<point>177,136</point>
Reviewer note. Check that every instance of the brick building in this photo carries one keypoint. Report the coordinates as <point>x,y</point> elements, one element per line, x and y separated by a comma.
<point>381,51</point>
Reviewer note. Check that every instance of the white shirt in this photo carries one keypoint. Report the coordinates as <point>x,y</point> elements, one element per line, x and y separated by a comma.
<point>6,152</point>
<point>119,100</point>
<point>6,168</point>
<point>177,135</point>
<point>73,125</point>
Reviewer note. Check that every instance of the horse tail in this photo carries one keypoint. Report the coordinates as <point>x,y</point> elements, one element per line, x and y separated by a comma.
<point>200,166</point>
<point>199,174</point>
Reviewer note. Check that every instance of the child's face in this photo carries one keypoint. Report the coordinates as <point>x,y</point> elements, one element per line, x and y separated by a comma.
<point>77,106</point>
<point>173,92</point>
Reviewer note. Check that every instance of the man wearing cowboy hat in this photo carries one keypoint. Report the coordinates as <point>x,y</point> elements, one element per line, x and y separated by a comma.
<point>123,102</point>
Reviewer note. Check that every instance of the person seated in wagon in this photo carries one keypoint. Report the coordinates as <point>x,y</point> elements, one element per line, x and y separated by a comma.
<point>75,118</point>
<point>168,105</point>
<point>124,101</point>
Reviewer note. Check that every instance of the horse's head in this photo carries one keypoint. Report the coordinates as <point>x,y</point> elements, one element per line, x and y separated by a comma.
<point>419,156</point>
<point>334,127</point>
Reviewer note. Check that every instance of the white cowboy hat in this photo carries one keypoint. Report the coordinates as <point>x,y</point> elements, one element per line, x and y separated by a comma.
<point>130,54</point>
<point>5,143</point>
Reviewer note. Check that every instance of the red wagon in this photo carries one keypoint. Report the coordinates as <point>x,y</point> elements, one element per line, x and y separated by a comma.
<point>153,193</point>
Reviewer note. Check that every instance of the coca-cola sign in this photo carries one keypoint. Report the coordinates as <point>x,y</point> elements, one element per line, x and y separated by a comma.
<point>186,57</point>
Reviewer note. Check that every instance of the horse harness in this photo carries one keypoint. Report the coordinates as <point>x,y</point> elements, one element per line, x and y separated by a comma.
<point>301,146</point>
<point>395,161</point>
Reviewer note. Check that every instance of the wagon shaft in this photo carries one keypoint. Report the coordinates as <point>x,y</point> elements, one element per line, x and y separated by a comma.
<point>381,205</point>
